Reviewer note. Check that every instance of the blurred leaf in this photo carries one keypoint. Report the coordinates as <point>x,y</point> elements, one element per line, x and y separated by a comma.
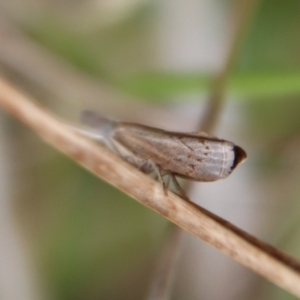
<point>91,235</point>
<point>163,85</point>
<point>73,47</point>
<point>273,41</point>
<point>254,84</point>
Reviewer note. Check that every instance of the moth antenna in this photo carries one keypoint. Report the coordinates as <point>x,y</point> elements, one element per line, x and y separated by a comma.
<point>93,120</point>
<point>201,133</point>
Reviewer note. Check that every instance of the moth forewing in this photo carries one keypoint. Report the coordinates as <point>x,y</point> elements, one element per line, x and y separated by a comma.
<point>188,155</point>
<point>195,156</point>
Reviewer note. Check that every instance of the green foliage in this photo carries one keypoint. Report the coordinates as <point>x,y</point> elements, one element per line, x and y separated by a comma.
<point>260,84</point>
<point>92,237</point>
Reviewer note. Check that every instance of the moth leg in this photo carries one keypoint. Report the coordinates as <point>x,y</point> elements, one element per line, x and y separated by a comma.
<point>159,176</point>
<point>143,166</point>
<point>146,167</point>
<point>112,146</point>
<point>178,187</point>
<point>167,182</point>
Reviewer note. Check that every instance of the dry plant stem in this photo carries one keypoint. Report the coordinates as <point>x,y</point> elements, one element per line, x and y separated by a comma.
<point>162,284</point>
<point>249,251</point>
<point>244,14</point>
<point>61,81</point>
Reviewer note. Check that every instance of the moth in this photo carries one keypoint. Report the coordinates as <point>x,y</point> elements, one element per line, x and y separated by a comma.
<point>193,155</point>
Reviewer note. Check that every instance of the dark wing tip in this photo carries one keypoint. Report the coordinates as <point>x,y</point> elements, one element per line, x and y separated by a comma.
<point>239,156</point>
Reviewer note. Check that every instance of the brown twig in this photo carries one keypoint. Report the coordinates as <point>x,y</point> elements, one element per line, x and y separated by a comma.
<point>249,251</point>
<point>61,81</point>
<point>163,281</point>
<point>244,14</point>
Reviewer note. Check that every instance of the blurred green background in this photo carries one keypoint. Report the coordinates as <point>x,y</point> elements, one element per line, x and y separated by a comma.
<point>151,61</point>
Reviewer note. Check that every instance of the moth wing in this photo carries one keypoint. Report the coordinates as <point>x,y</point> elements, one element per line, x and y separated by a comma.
<point>212,158</point>
<point>203,134</point>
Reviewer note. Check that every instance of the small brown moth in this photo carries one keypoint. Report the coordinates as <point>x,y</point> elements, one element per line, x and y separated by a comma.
<point>195,156</point>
